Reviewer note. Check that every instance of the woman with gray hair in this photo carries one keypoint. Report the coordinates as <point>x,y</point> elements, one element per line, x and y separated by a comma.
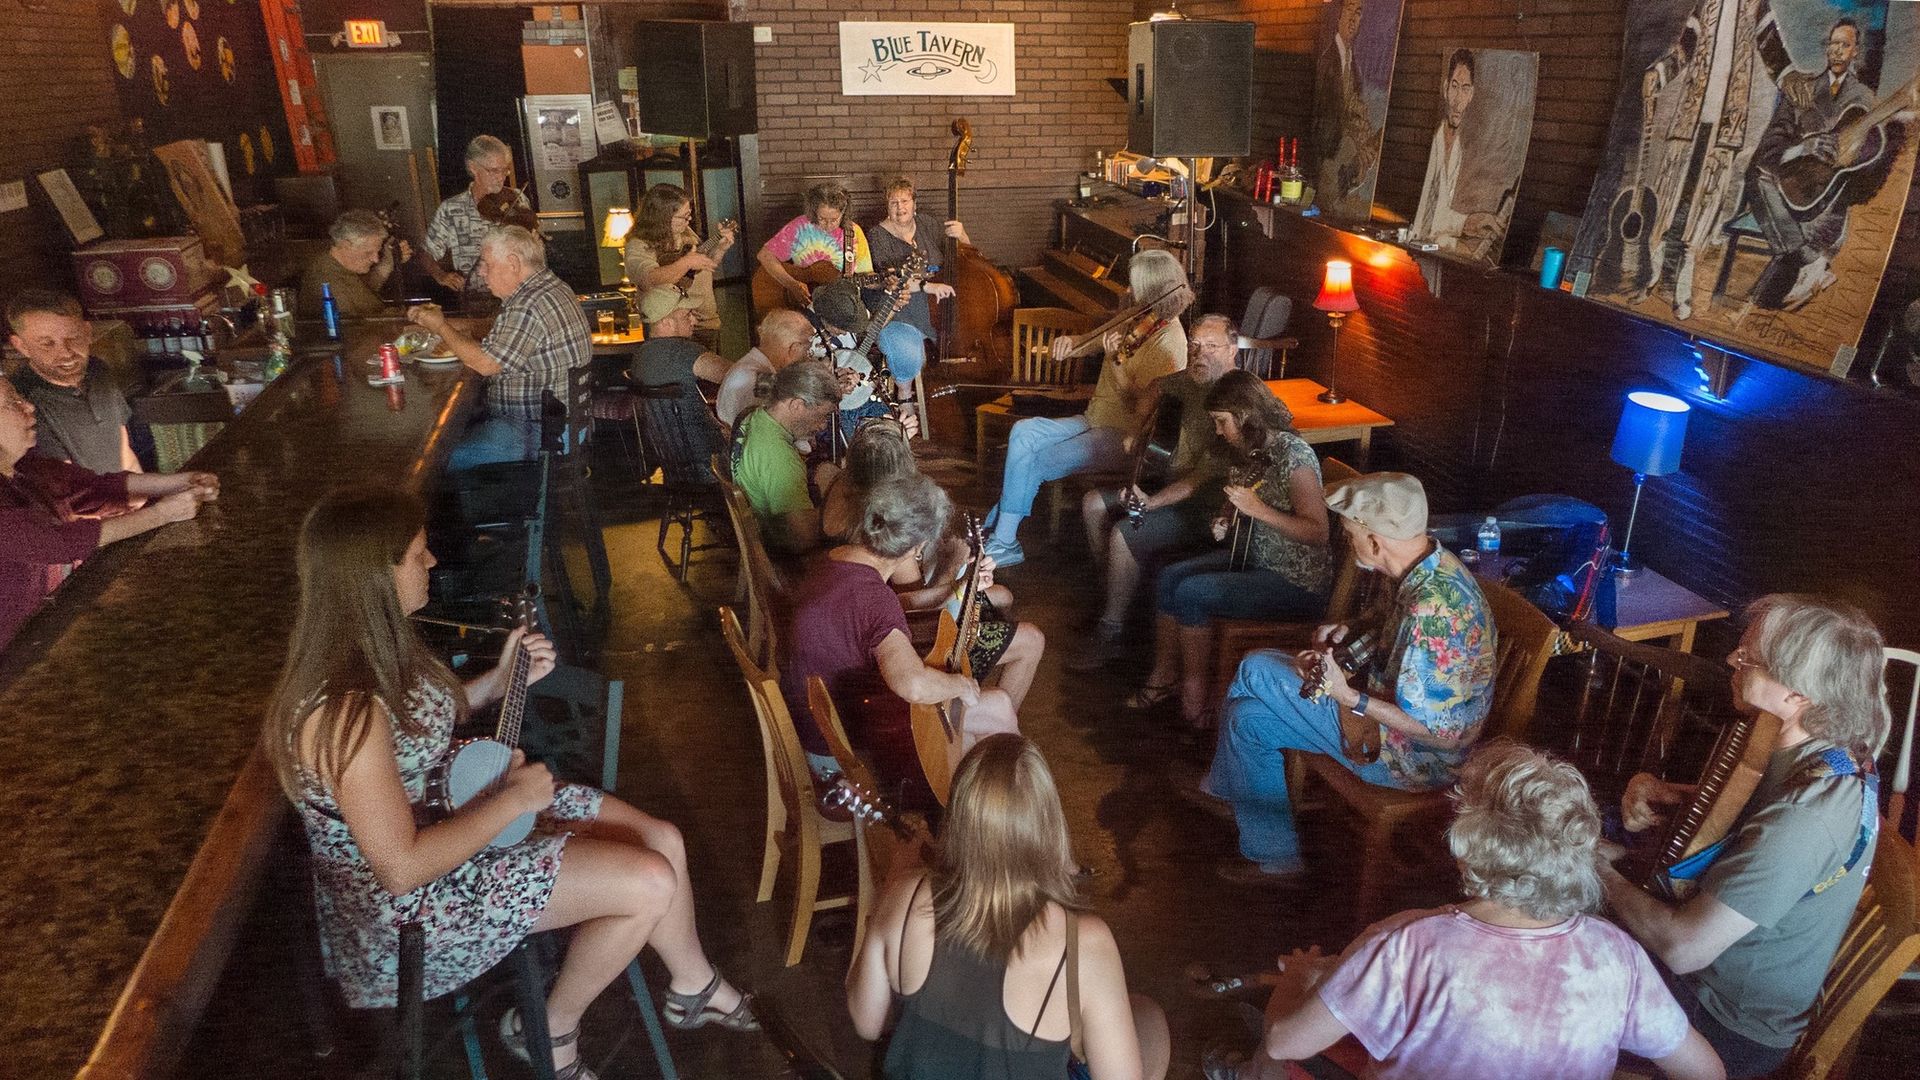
<point>1752,945</point>
<point>847,626</point>
<point>1517,980</point>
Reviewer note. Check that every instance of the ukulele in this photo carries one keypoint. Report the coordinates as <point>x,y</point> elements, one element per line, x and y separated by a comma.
<point>722,238</point>
<point>475,767</point>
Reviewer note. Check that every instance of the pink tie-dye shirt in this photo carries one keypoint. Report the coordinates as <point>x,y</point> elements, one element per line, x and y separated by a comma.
<point>1438,994</point>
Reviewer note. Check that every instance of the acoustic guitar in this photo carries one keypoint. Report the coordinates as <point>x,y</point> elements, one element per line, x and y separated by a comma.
<point>1635,207</point>
<point>907,835</point>
<point>1153,459</point>
<point>936,738</point>
<point>475,767</point>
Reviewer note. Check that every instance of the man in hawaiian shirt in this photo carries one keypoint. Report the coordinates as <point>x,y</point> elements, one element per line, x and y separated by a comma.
<point>1429,692</point>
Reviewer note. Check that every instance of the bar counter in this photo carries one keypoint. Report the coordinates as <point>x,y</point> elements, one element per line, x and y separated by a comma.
<point>137,813</point>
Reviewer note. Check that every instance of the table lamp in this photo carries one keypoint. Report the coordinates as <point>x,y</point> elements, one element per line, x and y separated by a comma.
<point>614,235</point>
<point>1336,299</point>
<point>1653,429</point>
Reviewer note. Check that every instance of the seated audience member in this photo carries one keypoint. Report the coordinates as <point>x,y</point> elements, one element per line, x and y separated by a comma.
<point>848,627</point>
<point>785,335</point>
<point>767,466</point>
<point>538,338</point>
<point>82,413</point>
<point>878,453</point>
<point>1429,689</point>
<point>1043,448</point>
<point>54,514</point>
<point>821,235</point>
<point>670,356</point>
<point>1752,946</point>
<point>454,235</point>
<point>1287,568</point>
<point>975,950</point>
<point>1519,980</point>
<point>361,718</point>
<point>1177,520</point>
<point>663,249</point>
<point>355,267</point>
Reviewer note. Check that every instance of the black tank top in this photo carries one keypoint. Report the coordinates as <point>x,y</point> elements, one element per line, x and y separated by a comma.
<point>955,1026</point>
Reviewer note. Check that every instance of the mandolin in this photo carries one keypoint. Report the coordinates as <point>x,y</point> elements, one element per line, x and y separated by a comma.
<point>475,767</point>
<point>936,738</point>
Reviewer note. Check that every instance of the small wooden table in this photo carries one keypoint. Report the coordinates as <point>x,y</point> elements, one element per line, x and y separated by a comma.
<point>1316,421</point>
<point>1649,607</point>
<point>616,344</point>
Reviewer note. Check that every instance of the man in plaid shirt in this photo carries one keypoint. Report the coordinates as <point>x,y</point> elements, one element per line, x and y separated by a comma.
<point>538,338</point>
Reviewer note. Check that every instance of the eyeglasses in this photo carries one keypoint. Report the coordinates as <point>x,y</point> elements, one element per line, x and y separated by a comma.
<point>1742,659</point>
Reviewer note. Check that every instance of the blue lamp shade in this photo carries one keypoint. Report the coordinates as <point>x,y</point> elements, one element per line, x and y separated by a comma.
<point>1653,428</point>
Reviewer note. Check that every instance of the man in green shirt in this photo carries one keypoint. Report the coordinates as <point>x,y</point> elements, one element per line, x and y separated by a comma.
<point>768,467</point>
<point>355,267</point>
<point>1750,947</point>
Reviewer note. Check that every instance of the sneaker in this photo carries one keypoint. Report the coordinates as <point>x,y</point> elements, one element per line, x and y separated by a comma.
<point>1003,554</point>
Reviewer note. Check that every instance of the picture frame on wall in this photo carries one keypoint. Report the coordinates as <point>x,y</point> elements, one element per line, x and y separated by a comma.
<point>74,211</point>
<point>390,130</point>
<point>560,135</point>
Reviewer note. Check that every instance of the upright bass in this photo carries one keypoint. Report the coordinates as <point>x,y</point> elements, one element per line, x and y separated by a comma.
<point>980,315</point>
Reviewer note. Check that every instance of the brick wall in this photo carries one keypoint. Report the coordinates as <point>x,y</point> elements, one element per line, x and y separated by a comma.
<point>1027,148</point>
<point>55,79</point>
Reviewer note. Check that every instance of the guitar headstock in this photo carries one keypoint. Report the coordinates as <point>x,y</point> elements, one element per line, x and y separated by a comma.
<point>962,145</point>
<point>522,609</point>
<point>853,796</point>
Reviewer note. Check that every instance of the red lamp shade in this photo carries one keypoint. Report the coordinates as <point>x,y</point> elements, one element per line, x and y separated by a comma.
<point>1336,293</point>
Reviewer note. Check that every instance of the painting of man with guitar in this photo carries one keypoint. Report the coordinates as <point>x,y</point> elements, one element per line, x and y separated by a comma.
<point>1825,149</point>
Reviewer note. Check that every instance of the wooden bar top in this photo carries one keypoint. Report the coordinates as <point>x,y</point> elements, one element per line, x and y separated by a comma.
<point>131,705</point>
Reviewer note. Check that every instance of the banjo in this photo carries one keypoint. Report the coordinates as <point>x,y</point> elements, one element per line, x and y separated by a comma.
<point>476,766</point>
<point>857,358</point>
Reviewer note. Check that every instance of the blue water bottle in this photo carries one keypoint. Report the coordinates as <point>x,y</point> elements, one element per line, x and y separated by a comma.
<point>330,311</point>
<point>1488,540</point>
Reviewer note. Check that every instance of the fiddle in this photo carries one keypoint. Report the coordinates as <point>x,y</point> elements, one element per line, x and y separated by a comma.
<point>1074,346</point>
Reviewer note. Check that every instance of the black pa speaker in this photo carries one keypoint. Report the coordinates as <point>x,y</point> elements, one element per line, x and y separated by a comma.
<point>1190,88</point>
<point>696,78</point>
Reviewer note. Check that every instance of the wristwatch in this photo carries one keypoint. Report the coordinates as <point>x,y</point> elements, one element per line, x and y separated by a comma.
<point>1359,706</point>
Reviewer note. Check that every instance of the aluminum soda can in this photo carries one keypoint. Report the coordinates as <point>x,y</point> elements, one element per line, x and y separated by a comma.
<point>389,361</point>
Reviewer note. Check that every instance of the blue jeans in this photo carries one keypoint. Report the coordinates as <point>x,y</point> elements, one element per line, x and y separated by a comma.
<point>1202,588</point>
<point>496,439</point>
<point>1264,715</point>
<point>1042,448</point>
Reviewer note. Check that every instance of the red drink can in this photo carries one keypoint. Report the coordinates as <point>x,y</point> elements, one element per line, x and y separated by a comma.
<point>389,361</point>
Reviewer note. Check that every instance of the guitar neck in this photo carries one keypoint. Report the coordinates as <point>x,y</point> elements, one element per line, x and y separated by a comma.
<point>1856,131</point>
<point>513,704</point>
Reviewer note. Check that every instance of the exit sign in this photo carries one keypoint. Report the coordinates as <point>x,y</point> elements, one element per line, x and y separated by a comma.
<point>366,34</point>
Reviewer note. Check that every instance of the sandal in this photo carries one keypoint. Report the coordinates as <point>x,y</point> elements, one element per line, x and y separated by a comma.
<point>1151,696</point>
<point>514,1038</point>
<point>689,1011</point>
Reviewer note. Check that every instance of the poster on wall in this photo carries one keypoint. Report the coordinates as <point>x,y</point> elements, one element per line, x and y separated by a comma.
<point>920,59</point>
<point>390,128</point>
<point>1478,150</point>
<point>1756,169</point>
<point>1352,77</point>
<point>560,136</point>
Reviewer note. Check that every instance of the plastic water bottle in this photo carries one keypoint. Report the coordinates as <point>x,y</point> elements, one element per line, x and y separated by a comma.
<point>1489,537</point>
<point>330,311</point>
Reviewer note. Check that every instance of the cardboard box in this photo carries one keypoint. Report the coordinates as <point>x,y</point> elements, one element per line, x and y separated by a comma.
<point>162,271</point>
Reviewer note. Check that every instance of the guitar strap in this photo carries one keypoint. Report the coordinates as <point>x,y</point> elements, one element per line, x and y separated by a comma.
<point>1830,762</point>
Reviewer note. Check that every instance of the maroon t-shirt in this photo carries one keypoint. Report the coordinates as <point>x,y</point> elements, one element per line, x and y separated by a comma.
<point>841,612</point>
<point>49,515</point>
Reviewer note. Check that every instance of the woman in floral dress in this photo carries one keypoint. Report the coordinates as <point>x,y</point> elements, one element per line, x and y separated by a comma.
<point>364,714</point>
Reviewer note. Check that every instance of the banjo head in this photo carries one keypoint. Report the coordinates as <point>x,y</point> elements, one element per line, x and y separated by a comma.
<point>860,365</point>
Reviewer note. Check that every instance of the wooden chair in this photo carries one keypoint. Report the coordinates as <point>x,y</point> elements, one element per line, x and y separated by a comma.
<point>1526,640</point>
<point>1235,638</point>
<point>1881,943</point>
<point>795,827</point>
<point>874,857</point>
<point>1033,365</point>
<point>760,585</point>
<point>1903,761</point>
<point>1640,708</point>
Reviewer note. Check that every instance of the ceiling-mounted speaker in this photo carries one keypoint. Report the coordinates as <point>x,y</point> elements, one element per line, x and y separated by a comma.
<point>696,78</point>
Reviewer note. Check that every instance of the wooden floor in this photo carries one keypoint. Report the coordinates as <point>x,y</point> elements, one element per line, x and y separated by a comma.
<point>691,754</point>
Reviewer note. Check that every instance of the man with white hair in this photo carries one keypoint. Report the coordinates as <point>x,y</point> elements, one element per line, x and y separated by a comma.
<point>1428,689</point>
<point>1750,947</point>
<point>453,236</point>
<point>785,335</point>
<point>538,338</point>
<point>353,269</point>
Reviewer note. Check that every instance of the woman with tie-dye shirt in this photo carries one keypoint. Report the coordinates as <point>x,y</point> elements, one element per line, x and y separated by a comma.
<point>1515,980</point>
<point>822,234</point>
